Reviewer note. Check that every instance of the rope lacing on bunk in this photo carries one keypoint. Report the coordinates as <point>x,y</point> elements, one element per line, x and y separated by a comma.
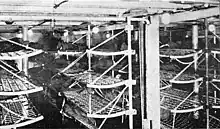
<point>173,80</point>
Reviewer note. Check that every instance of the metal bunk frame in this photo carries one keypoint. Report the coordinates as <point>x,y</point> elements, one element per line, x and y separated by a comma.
<point>186,53</point>
<point>95,82</point>
<point>18,111</point>
<point>18,85</point>
<point>173,77</point>
<point>173,99</point>
<point>18,54</point>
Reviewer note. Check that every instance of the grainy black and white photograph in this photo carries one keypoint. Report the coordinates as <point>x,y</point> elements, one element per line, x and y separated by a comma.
<point>109,64</point>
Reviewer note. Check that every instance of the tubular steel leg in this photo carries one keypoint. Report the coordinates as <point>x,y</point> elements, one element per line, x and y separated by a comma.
<point>19,64</point>
<point>207,73</point>
<point>174,119</point>
<point>130,73</point>
<point>195,46</point>
<point>89,46</point>
<point>25,60</point>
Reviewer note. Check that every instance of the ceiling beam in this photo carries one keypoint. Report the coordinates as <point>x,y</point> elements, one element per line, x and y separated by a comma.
<point>58,18</point>
<point>127,4</point>
<point>194,1</point>
<point>33,23</point>
<point>62,9</point>
<point>97,4</point>
<point>113,27</point>
<point>194,15</point>
<point>16,27</point>
<point>26,10</point>
<point>13,28</point>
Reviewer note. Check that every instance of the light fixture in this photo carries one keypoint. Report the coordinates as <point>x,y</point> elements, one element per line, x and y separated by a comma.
<point>95,30</point>
<point>65,33</point>
<point>212,28</point>
<point>30,32</point>
<point>9,21</point>
<point>174,10</point>
<point>147,21</point>
<point>206,5</point>
<point>108,35</point>
<point>188,34</point>
<point>52,23</point>
<point>165,18</point>
<point>19,35</point>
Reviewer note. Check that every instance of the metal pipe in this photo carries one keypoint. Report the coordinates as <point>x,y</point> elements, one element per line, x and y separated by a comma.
<point>214,41</point>
<point>22,79</point>
<point>25,33</point>
<point>142,79</point>
<point>89,46</point>
<point>11,41</point>
<point>195,46</point>
<point>73,63</point>
<point>130,72</point>
<point>78,39</point>
<point>102,43</point>
<point>89,64</point>
<point>207,73</point>
<point>25,60</point>
<point>113,58</point>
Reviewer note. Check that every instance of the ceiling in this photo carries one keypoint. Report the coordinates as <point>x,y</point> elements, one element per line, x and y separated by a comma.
<point>46,13</point>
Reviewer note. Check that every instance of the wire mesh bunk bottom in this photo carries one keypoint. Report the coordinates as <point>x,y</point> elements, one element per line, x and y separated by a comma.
<point>182,121</point>
<point>19,54</point>
<point>177,52</point>
<point>82,100</point>
<point>17,112</point>
<point>168,75</point>
<point>16,86</point>
<point>87,77</point>
<point>172,98</point>
<point>214,122</point>
<point>186,121</point>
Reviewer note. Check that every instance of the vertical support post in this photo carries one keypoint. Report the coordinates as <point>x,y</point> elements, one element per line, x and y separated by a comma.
<point>153,73</point>
<point>25,60</point>
<point>89,46</point>
<point>218,66</point>
<point>142,74</point>
<point>113,62</point>
<point>129,28</point>
<point>195,46</point>
<point>215,71</point>
<point>136,34</point>
<point>195,34</point>
<point>207,73</point>
<point>195,40</point>
<point>214,41</point>
<point>25,33</point>
<point>113,58</point>
<point>88,39</point>
<point>19,64</point>
<point>170,34</point>
<point>214,38</point>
